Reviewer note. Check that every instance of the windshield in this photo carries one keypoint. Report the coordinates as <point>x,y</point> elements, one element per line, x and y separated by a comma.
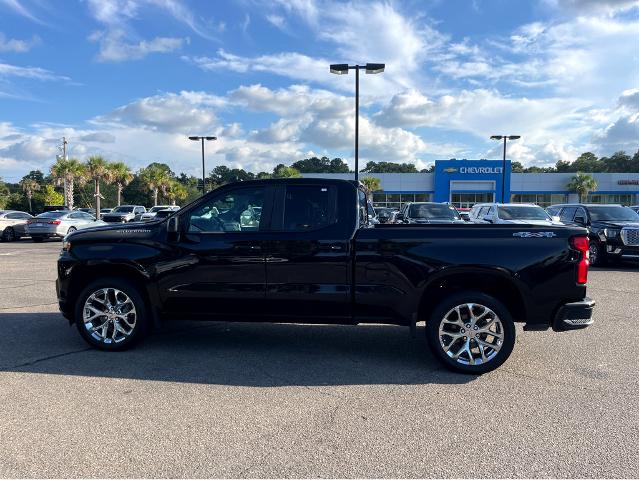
<point>433,211</point>
<point>522,213</point>
<point>51,214</point>
<point>123,210</point>
<point>158,208</point>
<point>613,213</point>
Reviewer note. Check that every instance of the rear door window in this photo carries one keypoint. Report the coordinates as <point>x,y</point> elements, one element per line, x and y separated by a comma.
<point>310,207</point>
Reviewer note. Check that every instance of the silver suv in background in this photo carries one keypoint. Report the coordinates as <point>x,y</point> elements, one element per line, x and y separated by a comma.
<point>150,215</point>
<point>59,223</point>
<point>13,225</point>
<point>509,213</point>
<point>125,213</point>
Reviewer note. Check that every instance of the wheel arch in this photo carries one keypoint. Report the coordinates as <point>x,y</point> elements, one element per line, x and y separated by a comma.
<point>498,285</point>
<point>85,274</point>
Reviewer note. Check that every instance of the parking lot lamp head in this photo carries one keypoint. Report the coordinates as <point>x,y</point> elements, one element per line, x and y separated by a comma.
<point>372,68</point>
<point>339,68</point>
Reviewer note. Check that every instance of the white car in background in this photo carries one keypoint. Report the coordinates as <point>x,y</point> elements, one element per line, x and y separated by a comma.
<point>150,215</point>
<point>511,213</point>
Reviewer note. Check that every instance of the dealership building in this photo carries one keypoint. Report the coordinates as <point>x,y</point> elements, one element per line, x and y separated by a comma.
<point>466,182</point>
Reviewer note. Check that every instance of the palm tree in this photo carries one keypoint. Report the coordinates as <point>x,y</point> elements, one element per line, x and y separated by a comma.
<point>97,169</point>
<point>176,191</point>
<point>69,172</point>
<point>371,184</point>
<point>122,175</point>
<point>29,186</point>
<point>582,184</point>
<point>156,179</point>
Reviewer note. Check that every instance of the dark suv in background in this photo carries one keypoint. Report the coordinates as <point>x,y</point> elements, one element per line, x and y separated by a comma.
<point>428,212</point>
<point>613,229</point>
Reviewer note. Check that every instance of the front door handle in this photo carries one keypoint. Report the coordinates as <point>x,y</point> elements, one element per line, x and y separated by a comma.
<point>337,248</point>
<point>255,248</point>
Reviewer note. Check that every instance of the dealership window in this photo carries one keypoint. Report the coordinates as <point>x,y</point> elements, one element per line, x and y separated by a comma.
<point>541,199</point>
<point>622,198</point>
<point>468,199</point>
<point>396,200</point>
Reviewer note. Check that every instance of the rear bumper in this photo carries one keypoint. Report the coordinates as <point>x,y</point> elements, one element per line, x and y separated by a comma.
<point>574,316</point>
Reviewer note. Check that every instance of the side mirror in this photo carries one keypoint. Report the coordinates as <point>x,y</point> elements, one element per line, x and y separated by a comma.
<point>173,225</point>
<point>399,217</point>
<point>580,220</point>
<point>488,219</point>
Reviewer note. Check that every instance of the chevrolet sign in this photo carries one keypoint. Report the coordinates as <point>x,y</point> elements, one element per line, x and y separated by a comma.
<point>480,170</point>
<point>474,170</point>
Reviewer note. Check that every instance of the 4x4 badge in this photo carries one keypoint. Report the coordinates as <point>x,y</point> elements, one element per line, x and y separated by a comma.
<point>535,234</point>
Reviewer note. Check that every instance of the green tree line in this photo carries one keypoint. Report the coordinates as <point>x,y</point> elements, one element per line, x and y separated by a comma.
<point>99,182</point>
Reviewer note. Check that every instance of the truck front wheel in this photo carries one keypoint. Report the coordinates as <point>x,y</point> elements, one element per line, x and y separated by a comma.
<point>471,332</point>
<point>111,314</point>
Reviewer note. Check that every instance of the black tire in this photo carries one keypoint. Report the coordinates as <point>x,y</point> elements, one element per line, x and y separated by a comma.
<point>495,357</point>
<point>598,256</point>
<point>137,333</point>
<point>37,239</point>
<point>8,235</point>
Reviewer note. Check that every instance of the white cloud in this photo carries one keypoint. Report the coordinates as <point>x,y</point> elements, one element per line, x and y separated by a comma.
<point>277,21</point>
<point>17,7</point>
<point>622,131</point>
<point>34,73</point>
<point>118,40</point>
<point>17,46</point>
<point>296,100</point>
<point>483,113</point>
<point>115,48</point>
<point>594,6</point>
<point>399,41</point>
<point>186,112</point>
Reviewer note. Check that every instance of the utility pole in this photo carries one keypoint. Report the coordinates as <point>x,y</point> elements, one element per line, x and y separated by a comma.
<point>65,158</point>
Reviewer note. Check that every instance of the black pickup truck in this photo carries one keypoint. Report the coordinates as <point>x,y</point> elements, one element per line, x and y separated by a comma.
<point>305,251</point>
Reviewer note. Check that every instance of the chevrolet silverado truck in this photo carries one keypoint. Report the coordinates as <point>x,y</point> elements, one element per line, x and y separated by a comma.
<point>306,251</point>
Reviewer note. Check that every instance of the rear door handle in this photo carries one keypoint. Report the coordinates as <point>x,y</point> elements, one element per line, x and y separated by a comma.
<point>337,248</point>
<point>255,248</point>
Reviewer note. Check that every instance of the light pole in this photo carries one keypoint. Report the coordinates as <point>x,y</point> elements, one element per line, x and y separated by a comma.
<point>503,168</point>
<point>342,69</point>
<point>196,138</point>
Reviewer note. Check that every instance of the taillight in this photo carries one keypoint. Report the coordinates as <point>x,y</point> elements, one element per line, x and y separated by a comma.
<point>54,222</point>
<point>582,244</point>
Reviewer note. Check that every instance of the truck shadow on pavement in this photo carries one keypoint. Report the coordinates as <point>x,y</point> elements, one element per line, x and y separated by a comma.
<point>236,354</point>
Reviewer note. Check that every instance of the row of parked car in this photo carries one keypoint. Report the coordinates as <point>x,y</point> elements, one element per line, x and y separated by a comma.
<point>613,229</point>
<point>59,221</point>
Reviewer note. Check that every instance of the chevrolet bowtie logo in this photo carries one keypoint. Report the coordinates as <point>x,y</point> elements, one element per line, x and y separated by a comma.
<point>450,170</point>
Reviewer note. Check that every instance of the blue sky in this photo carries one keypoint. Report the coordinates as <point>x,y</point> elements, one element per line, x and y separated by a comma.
<point>130,79</point>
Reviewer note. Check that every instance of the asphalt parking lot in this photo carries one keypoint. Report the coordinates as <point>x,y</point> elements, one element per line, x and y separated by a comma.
<point>229,400</point>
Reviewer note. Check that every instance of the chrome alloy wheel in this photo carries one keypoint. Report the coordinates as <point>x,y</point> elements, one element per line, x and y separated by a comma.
<point>109,315</point>
<point>471,334</point>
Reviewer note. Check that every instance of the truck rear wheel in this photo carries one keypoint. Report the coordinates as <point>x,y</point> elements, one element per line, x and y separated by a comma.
<point>471,332</point>
<point>111,314</point>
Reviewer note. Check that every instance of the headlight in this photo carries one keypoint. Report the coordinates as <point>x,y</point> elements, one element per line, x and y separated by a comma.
<point>612,232</point>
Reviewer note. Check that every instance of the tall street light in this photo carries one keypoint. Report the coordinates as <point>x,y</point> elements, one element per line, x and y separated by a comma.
<point>342,69</point>
<point>503,168</point>
<point>195,138</point>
